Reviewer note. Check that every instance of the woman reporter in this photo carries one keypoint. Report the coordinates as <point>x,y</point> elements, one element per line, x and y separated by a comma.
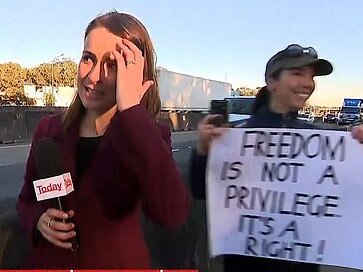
<point>118,155</point>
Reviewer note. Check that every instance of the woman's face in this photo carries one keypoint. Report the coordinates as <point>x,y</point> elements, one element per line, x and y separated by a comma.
<point>292,88</point>
<point>96,79</point>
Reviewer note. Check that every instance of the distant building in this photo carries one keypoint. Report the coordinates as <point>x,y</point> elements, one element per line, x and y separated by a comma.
<point>63,95</point>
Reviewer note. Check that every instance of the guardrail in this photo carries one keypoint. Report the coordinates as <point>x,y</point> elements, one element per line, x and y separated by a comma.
<point>18,123</point>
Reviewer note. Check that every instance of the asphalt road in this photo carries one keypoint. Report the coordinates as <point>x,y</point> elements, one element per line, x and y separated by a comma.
<point>12,165</point>
<point>13,158</point>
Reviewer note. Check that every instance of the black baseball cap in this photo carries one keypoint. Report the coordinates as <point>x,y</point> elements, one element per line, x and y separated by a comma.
<point>295,56</point>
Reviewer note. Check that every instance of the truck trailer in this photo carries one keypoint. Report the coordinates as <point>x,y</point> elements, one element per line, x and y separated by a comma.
<point>185,99</point>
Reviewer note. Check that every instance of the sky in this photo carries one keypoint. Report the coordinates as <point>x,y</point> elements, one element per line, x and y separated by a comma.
<point>226,40</point>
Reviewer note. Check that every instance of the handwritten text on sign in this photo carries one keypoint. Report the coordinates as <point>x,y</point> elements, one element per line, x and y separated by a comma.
<point>287,194</point>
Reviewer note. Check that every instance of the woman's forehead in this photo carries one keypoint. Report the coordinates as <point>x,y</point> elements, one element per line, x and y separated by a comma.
<point>302,69</point>
<point>100,40</point>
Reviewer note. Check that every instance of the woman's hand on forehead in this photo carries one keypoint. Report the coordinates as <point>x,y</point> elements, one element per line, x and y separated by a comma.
<point>130,87</point>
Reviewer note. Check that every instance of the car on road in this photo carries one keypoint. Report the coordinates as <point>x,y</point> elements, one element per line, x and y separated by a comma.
<point>307,117</point>
<point>330,118</point>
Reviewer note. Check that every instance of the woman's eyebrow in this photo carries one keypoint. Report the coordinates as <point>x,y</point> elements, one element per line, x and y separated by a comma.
<point>86,52</point>
<point>107,57</point>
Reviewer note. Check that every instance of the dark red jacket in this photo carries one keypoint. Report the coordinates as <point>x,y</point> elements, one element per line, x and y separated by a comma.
<point>132,170</point>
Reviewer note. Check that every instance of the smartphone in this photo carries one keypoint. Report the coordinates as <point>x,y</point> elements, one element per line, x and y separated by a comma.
<point>219,107</point>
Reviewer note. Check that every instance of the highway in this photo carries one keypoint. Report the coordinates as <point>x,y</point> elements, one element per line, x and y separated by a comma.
<point>12,165</point>
<point>13,158</point>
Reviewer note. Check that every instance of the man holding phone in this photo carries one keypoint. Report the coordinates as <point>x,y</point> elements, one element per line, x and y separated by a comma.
<point>212,126</point>
<point>219,108</point>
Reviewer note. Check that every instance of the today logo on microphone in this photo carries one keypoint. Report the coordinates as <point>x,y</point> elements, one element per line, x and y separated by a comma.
<point>53,187</point>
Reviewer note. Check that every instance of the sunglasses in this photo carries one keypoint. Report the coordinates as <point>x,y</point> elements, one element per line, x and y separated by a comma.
<point>295,50</point>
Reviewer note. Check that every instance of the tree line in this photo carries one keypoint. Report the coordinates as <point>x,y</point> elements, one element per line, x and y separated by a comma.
<point>13,77</point>
<point>244,91</point>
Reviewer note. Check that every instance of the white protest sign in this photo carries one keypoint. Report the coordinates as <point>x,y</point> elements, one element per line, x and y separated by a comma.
<point>287,194</point>
<point>53,187</point>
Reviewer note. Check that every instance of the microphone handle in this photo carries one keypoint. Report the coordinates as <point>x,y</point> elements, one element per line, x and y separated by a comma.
<point>73,241</point>
<point>60,204</point>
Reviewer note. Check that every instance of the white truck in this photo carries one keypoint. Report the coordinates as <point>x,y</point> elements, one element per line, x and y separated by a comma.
<point>185,99</point>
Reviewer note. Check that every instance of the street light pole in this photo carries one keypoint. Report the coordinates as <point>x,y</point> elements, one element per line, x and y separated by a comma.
<point>53,60</point>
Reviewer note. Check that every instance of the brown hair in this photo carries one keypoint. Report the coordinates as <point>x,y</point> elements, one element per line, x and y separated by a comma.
<point>125,26</point>
<point>263,96</point>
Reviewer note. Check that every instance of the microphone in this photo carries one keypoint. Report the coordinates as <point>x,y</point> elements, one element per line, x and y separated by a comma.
<point>54,182</point>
